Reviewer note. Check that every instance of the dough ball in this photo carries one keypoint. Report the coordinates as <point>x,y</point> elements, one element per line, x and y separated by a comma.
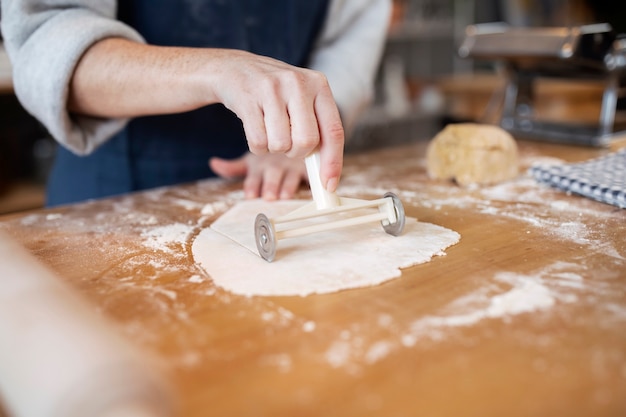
<point>472,154</point>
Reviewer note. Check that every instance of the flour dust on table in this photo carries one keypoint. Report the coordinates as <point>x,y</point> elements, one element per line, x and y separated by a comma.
<point>319,263</point>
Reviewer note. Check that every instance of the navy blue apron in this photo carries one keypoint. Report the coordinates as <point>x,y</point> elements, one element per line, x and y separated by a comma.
<point>163,150</point>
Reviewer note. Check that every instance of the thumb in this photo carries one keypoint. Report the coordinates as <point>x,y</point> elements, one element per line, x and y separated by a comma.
<point>229,168</point>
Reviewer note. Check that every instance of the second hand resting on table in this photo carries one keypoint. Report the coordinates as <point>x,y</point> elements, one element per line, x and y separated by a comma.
<point>287,112</point>
<point>270,176</point>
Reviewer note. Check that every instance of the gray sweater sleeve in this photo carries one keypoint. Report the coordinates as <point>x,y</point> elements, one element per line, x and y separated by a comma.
<point>45,40</point>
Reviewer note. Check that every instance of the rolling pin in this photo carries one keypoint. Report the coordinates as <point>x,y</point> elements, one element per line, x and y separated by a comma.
<point>59,358</point>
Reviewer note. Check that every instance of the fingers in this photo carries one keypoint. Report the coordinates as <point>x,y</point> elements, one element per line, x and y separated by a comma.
<point>229,168</point>
<point>315,121</point>
<point>287,105</point>
<point>304,127</point>
<point>265,183</point>
<point>254,128</point>
<point>269,176</point>
<point>277,123</point>
<point>332,140</point>
<point>291,183</point>
<point>272,177</point>
<point>252,184</point>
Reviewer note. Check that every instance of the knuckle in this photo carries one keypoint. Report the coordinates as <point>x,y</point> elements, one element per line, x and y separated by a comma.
<point>303,82</point>
<point>269,85</point>
<point>335,131</point>
<point>320,77</point>
<point>308,141</point>
<point>294,79</point>
<point>257,145</point>
<point>279,145</point>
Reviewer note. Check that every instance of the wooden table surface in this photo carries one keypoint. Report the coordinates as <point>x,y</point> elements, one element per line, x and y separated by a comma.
<point>525,316</point>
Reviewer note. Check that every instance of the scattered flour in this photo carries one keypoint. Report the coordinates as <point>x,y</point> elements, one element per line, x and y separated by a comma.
<point>279,316</point>
<point>505,296</point>
<point>368,340</point>
<point>340,353</point>
<point>188,204</point>
<point>196,279</point>
<point>214,208</point>
<point>162,237</point>
<point>378,351</point>
<point>282,361</point>
<point>527,294</point>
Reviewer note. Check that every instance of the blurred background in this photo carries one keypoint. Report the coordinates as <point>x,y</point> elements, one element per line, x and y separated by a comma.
<point>422,84</point>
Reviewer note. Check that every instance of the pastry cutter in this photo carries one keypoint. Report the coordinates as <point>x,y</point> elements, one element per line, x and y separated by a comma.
<point>327,211</point>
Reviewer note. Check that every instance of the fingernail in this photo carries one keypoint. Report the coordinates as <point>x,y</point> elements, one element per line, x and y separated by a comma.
<point>331,185</point>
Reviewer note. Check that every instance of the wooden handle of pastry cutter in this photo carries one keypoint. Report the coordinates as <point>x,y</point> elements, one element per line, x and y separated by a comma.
<point>323,198</point>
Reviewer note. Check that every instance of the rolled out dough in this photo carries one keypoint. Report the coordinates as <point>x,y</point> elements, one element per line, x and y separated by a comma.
<point>324,262</point>
<point>472,153</point>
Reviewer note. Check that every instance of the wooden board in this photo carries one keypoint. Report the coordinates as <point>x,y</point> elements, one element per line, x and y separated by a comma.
<point>525,316</point>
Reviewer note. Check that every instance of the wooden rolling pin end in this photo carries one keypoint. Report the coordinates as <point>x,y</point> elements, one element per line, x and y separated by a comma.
<point>59,358</point>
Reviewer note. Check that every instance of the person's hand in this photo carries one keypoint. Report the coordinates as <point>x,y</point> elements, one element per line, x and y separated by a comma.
<point>284,110</point>
<point>270,176</point>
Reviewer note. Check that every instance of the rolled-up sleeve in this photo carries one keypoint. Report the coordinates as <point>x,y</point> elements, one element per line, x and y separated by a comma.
<point>45,40</point>
<point>348,52</point>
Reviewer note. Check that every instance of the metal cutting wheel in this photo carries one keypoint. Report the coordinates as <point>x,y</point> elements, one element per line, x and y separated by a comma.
<point>395,229</point>
<point>265,237</point>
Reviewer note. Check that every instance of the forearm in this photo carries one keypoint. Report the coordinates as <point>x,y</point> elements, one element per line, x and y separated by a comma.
<point>121,78</point>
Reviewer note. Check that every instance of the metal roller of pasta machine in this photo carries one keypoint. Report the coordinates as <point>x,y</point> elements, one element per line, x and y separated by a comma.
<point>590,52</point>
<point>327,211</point>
